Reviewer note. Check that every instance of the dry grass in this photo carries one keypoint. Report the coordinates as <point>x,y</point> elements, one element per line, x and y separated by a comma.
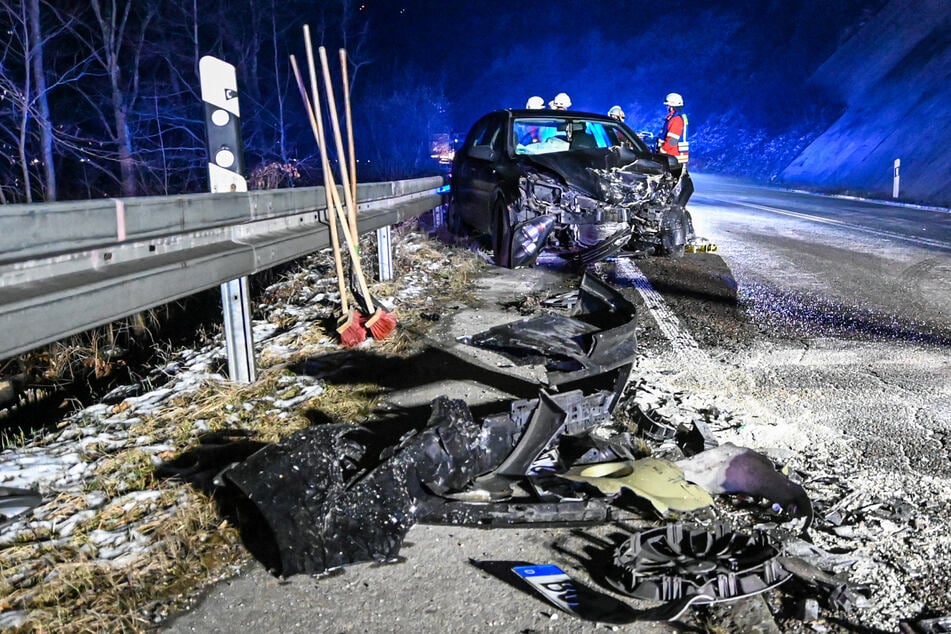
<point>74,592</point>
<point>62,584</point>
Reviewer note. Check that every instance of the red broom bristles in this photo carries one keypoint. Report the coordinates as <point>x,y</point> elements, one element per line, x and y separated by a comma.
<point>351,330</point>
<point>381,324</point>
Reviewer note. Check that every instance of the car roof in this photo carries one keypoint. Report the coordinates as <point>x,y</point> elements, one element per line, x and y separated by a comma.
<point>566,114</point>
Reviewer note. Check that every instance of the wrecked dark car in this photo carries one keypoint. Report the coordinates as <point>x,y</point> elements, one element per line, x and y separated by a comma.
<point>580,185</point>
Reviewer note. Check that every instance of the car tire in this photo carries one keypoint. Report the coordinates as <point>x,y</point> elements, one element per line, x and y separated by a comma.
<point>673,235</point>
<point>454,223</point>
<point>501,235</point>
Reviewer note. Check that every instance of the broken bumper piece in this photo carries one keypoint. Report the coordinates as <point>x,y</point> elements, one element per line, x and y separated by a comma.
<point>597,338</point>
<point>326,502</point>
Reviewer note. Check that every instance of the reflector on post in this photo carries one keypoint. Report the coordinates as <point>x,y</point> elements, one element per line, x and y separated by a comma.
<point>219,92</point>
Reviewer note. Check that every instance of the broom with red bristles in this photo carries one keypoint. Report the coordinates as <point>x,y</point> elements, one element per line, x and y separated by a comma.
<point>381,323</point>
<point>350,324</point>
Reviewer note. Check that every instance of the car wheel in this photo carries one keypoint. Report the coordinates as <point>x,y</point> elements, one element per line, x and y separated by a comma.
<point>453,220</point>
<point>673,236</point>
<point>501,235</point>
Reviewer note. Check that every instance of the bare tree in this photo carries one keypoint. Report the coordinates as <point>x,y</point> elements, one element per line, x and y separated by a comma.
<point>16,81</point>
<point>113,40</point>
<point>42,99</point>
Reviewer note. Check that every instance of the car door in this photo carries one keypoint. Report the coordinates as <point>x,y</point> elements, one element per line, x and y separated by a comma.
<point>477,173</point>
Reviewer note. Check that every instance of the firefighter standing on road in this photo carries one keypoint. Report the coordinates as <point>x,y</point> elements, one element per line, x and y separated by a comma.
<point>673,141</point>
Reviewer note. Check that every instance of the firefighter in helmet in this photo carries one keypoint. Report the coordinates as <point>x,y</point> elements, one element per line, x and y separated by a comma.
<point>561,102</point>
<point>616,113</point>
<point>535,103</point>
<point>673,139</point>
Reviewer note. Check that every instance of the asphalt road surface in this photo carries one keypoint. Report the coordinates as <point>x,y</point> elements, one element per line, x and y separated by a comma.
<point>824,321</point>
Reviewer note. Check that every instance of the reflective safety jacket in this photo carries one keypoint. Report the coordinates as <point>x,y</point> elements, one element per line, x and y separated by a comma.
<point>674,137</point>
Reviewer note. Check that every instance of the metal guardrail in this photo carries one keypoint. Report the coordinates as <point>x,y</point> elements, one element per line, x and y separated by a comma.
<point>70,266</point>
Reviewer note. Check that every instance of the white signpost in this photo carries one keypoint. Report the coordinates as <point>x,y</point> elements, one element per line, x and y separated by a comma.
<point>219,92</point>
<point>895,178</point>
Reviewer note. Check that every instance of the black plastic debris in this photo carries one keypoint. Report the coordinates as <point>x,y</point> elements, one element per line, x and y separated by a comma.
<point>835,590</point>
<point>522,488</point>
<point>939,625</point>
<point>677,561</point>
<point>575,598</point>
<point>740,470</point>
<point>329,501</point>
<point>15,501</point>
<point>597,338</point>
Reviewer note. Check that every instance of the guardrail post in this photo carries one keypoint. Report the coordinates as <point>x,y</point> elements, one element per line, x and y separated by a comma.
<point>384,250</point>
<point>219,91</point>
<point>895,178</point>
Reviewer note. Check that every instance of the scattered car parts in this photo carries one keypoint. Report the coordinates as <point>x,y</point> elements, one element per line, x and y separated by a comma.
<point>330,501</point>
<point>739,470</point>
<point>677,561</point>
<point>554,584</point>
<point>658,481</point>
<point>597,338</point>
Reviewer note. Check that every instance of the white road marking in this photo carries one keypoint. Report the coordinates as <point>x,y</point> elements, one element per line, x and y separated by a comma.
<point>683,343</point>
<point>830,221</point>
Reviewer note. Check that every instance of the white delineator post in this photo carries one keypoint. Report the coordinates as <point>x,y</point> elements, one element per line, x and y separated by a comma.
<point>895,178</point>
<point>384,250</point>
<point>219,92</point>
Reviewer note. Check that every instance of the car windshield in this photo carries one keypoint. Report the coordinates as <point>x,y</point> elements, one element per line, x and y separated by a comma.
<point>544,135</point>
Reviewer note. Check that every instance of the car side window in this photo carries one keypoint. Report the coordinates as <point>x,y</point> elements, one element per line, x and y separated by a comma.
<point>490,138</point>
<point>486,137</point>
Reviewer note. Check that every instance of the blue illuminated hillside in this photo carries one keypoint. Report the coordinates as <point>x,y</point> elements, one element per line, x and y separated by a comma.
<point>894,75</point>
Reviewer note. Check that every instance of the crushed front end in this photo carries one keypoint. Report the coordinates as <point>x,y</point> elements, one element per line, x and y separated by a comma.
<point>593,216</point>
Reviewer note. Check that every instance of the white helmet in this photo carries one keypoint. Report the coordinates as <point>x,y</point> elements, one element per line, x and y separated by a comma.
<point>561,102</point>
<point>535,103</point>
<point>674,100</point>
<point>616,113</point>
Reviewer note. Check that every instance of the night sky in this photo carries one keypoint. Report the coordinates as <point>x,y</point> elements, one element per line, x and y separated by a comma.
<point>494,54</point>
<point>747,72</point>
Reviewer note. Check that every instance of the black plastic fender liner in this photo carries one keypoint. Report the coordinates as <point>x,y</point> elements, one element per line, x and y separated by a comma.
<point>321,519</point>
<point>595,339</point>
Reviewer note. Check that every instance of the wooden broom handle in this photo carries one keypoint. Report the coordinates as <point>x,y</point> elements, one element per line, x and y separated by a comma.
<point>351,153</point>
<point>334,238</point>
<point>331,188</point>
<point>342,163</point>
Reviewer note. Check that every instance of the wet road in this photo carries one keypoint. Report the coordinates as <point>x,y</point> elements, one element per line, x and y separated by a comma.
<point>827,266</point>
<point>928,227</point>
<point>822,322</point>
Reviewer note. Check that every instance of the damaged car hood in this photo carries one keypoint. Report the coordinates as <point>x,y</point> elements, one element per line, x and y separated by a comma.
<point>583,170</point>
